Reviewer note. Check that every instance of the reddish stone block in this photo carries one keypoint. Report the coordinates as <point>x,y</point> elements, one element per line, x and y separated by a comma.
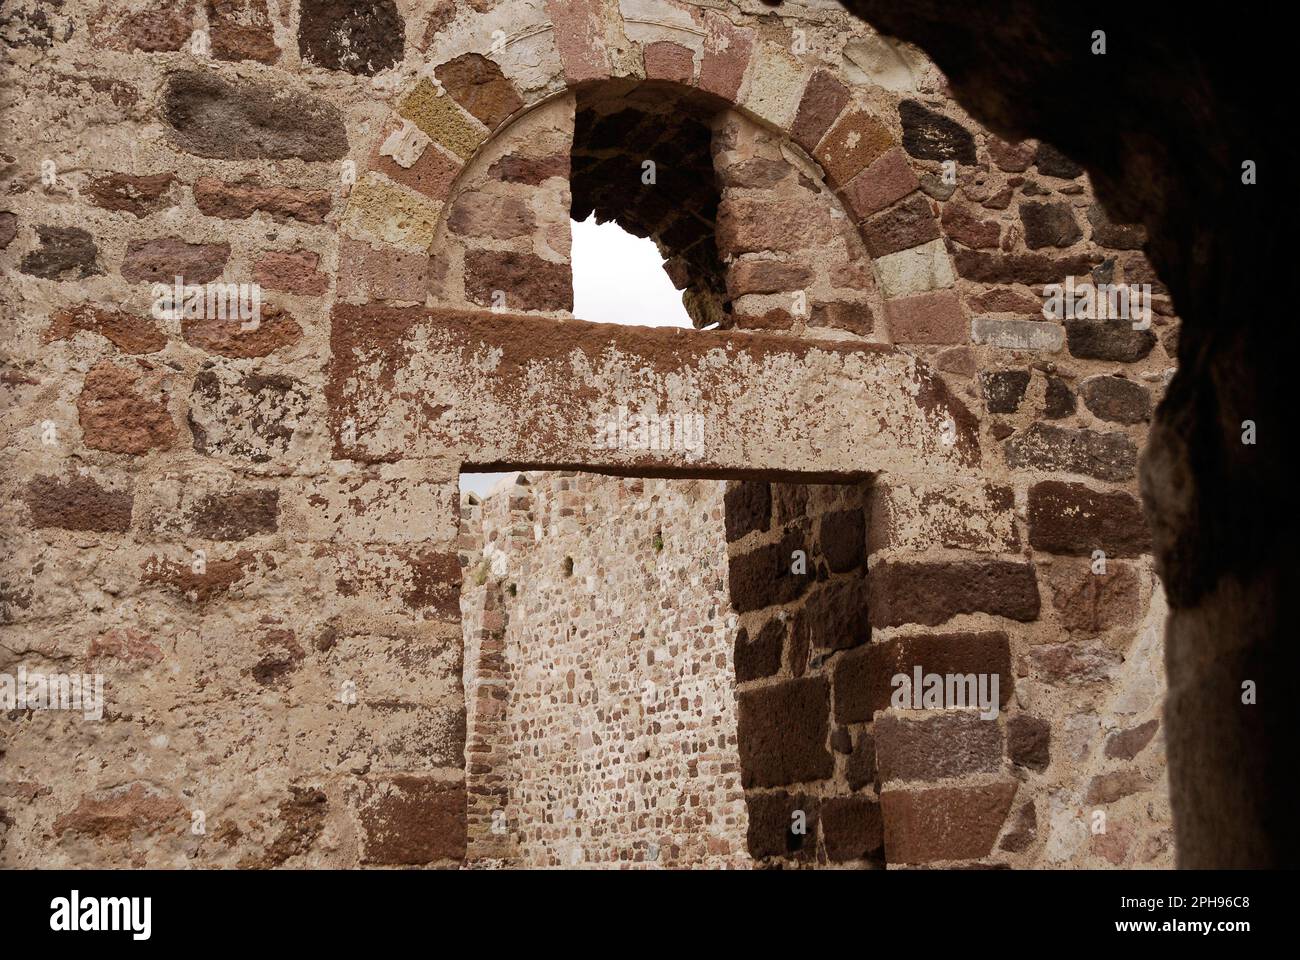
<point>770,830</point>
<point>931,593</point>
<point>228,337</point>
<point>934,747</point>
<point>907,224</point>
<point>123,411</point>
<point>763,577</point>
<point>432,175</point>
<point>961,223</point>
<point>747,506</point>
<point>292,271</point>
<point>241,30</point>
<point>888,178</point>
<point>781,733</point>
<point>665,60</point>
<point>1072,519</point>
<point>166,258</point>
<point>478,85</point>
<point>408,820</point>
<point>1029,741</point>
<point>727,49</point>
<point>1092,603</point>
<point>138,196</point>
<point>580,38</point>
<point>381,273</point>
<point>761,656</point>
<point>944,823</point>
<point>126,331</point>
<point>235,201</point>
<point>855,141</point>
<point>527,281</point>
<point>78,503</point>
<point>766,276</point>
<point>823,99</point>
<point>862,677</point>
<point>853,317</point>
<point>852,828</point>
<point>1127,744</point>
<point>934,317</point>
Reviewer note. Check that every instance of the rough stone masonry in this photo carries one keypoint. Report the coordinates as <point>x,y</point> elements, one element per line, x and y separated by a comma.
<point>253,530</point>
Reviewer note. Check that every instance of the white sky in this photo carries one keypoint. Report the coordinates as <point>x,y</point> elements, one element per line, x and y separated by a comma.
<point>617,278</point>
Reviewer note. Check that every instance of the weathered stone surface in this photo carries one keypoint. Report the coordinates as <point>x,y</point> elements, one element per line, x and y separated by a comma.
<point>1058,399</point>
<point>526,280</point>
<point>235,201</point>
<point>1117,399</point>
<point>408,820</point>
<point>235,516</point>
<point>836,614</point>
<point>930,593</point>
<point>361,37</point>
<point>963,225</point>
<point>1028,268</point>
<point>121,813</point>
<point>856,140</point>
<point>122,410</point>
<point>441,119</point>
<point>1091,602</point>
<point>862,676</point>
<point>77,503</point>
<point>477,84</point>
<point>477,213</point>
<point>1049,225</point>
<point>212,117</point>
<point>1127,744</point>
<point>944,823</point>
<point>842,536</point>
<point>763,577</point>
<point>166,258</point>
<point>293,271</point>
<point>822,101</point>
<point>1107,340</point>
<point>853,317</point>
<point>931,748</point>
<point>1009,157</point>
<point>665,60</point>
<point>766,276</point>
<point>748,507</point>
<point>1029,741</point>
<point>761,656</point>
<point>65,253</point>
<point>248,416</point>
<point>8,228</point>
<point>138,196</point>
<point>1106,456</point>
<point>756,226</point>
<point>770,824</point>
<point>887,179</point>
<point>228,337</point>
<point>782,731</point>
<point>1004,389</point>
<point>241,30</point>
<point>935,317</point>
<point>928,135</point>
<point>126,331</point>
<point>907,224</point>
<point>1070,518</point>
<point>1109,787</point>
<point>852,828</point>
<point>1034,335</point>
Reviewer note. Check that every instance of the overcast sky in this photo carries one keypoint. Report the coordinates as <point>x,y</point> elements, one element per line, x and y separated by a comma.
<point>617,278</point>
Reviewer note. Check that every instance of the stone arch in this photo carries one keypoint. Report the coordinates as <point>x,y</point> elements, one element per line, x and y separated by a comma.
<point>482,75</point>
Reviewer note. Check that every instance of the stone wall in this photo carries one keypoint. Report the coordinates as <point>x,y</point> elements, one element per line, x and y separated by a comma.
<point>617,741</point>
<point>252,532</point>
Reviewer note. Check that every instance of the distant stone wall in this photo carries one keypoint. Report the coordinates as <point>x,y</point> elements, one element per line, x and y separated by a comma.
<point>617,746</point>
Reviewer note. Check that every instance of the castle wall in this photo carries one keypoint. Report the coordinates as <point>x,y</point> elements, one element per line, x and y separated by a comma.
<point>252,533</point>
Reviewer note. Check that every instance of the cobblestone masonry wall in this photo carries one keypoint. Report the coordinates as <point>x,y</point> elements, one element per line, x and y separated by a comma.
<point>251,533</point>
<point>620,716</point>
